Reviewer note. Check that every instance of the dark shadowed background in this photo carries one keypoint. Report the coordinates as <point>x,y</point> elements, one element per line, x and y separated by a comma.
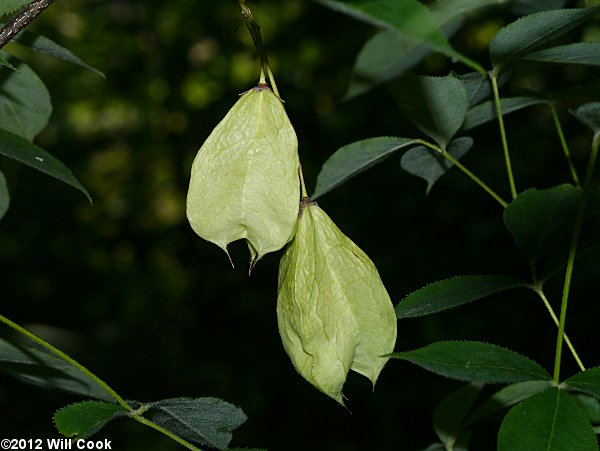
<point>128,289</point>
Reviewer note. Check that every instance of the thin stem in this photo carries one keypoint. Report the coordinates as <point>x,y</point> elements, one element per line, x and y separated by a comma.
<point>469,62</point>
<point>67,359</point>
<point>573,249</point>
<point>136,415</point>
<point>303,192</point>
<point>166,432</point>
<point>540,293</point>
<point>563,143</point>
<point>254,29</point>
<point>509,171</point>
<point>472,176</point>
<point>22,19</point>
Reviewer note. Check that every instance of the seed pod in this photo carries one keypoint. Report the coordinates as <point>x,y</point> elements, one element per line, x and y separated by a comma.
<point>333,311</point>
<point>244,180</point>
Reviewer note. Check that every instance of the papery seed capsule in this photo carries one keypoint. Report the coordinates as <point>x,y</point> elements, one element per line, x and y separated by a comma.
<point>333,311</point>
<point>244,181</point>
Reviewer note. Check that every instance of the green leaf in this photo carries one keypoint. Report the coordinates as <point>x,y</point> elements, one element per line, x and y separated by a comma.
<point>522,7</point>
<point>4,196</point>
<point>587,382</point>
<point>83,419</point>
<point>408,17</point>
<point>352,159</point>
<point>436,105</point>
<point>540,219</point>
<point>25,106</point>
<point>525,35</point>
<point>450,293</point>
<point>39,368</point>
<point>578,53</point>
<point>388,53</point>
<point>44,45</point>
<point>208,421</point>
<point>10,6</point>
<point>23,151</point>
<point>486,111</point>
<point>591,406</point>
<point>478,87</point>
<point>383,57</point>
<point>450,414</point>
<point>431,165</point>
<point>475,362</point>
<point>509,396</point>
<point>548,421</point>
<point>4,62</point>
<point>589,114</point>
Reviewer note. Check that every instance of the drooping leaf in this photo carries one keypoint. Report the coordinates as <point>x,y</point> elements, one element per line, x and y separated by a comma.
<point>408,17</point>
<point>44,45</point>
<point>587,53</point>
<point>523,7</point>
<point>354,158</point>
<point>383,57</point>
<point>540,219</point>
<point>4,196</point>
<point>436,105</point>
<point>17,148</point>
<point>486,111</point>
<point>590,405</point>
<point>389,53</point>
<point>431,165</point>
<point>450,414</point>
<point>333,311</point>
<point>83,419</point>
<point>548,421</point>
<point>39,368</point>
<point>589,114</point>
<point>207,421</point>
<point>508,396</point>
<point>244,180</point>
<point>25,106</point>
<point>475,362</point>
<point>529,33</point>
<point>10,6</point>
<point>450,293</point>
<point>587,382</point>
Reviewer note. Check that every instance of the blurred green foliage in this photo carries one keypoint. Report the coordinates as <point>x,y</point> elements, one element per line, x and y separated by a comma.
<point>129,290</point>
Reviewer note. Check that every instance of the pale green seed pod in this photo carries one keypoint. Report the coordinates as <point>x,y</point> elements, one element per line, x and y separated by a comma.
<point>333,311</point>
<point>244,181</point>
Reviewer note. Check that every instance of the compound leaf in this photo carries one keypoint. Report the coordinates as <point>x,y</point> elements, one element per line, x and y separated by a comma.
<point>84,419</point>
<point>475,362</point>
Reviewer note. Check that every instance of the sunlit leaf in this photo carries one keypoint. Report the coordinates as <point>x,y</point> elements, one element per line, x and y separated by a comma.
<point>39,368</point>
<point>354,158</point>
<point>436,105</point>
<point>578,53</point>
<point>540,219</point>
<point>531,32</point>
<point>589,114</point>
<point>10,6</point>
<point>4,196</point>
<point>450,293</point>
<point>23,151</point>
<point>207,421</point>
<point>431,165</point>
<point>408,17</point>
<point>548,421</point>
<point>587,382</point>
<point>83,419</point>
<point>25,106</point>
<point>44,45</point>
<point>475,362</point>
<point>486,111</point>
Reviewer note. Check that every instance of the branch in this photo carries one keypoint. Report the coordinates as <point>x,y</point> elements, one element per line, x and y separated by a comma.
<point>22,19</point>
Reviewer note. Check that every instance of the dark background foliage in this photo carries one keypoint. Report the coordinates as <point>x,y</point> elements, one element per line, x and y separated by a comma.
<point>128,289</point>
